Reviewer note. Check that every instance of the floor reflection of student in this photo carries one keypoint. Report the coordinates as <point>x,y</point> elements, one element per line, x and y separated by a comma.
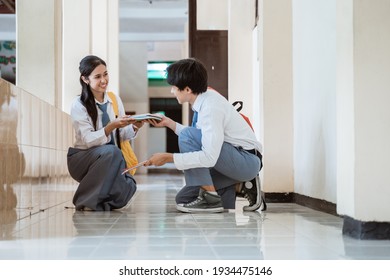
<point>97,239</point>
<point>11,160</point>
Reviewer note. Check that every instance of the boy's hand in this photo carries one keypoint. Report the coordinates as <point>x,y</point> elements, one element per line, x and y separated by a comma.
<point>159,159</point>
<point>164,121</point>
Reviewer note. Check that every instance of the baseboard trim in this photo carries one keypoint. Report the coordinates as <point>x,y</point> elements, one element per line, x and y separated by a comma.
<point>366,230</point>
<point>316,204</point>
<point>351,227</point>
<point>279,197</point>
<point>310,202</point>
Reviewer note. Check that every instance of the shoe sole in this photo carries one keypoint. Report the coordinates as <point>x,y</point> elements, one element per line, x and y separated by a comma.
<point>259,199</point>
<point>197,210</point>
<point>256,206</point>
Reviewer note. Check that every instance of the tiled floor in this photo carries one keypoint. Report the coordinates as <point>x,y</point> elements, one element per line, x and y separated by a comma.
<point>150,228</point>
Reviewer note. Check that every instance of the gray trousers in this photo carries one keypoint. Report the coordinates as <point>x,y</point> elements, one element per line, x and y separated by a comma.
<point>98,170</point>
<point>233,166</point>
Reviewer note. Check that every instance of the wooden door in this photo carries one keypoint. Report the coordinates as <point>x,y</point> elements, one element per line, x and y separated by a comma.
<point>210,47</point>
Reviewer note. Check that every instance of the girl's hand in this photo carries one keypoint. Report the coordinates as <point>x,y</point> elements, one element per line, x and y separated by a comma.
<point>120,122</point>
<point>138,124</point>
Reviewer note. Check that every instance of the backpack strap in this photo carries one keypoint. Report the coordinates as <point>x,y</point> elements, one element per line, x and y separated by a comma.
<point>116,111</point>
<point>114,102</point>
<point>240,104</point>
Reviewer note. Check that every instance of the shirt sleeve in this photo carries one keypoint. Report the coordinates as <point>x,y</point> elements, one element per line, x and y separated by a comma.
<point>179,128</point>
<point>127,132</point>
<point>84,129</point>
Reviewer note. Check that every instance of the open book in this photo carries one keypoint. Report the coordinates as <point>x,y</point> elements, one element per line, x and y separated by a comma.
<point>146,116</point>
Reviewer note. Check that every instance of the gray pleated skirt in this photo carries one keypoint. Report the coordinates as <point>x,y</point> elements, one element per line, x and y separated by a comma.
<point>102,186</point>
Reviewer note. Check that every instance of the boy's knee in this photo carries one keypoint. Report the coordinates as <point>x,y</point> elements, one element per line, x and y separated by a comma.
<point>187,140</point>
<point>187,194</point>
<point>180,198</point>
<point>185,135</point>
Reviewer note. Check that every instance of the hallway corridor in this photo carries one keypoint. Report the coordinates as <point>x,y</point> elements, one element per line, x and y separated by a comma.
<point>150,228</point>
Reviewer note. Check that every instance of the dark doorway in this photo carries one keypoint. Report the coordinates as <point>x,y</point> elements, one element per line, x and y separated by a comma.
<point>172,109</point>
<point>210,47</point>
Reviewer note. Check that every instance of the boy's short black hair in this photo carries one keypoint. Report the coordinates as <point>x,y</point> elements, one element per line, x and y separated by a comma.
<point>189,72</point>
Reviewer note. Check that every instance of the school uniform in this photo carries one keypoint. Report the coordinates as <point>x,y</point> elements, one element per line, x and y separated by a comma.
<point>221,150</point>
<point>96,162</point>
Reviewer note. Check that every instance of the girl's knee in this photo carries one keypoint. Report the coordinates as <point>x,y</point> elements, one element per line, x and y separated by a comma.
<point>109,151</point>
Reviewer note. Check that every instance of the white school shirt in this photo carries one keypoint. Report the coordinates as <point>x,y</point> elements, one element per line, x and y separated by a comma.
<point>85,134</point>
<point>219,122</point>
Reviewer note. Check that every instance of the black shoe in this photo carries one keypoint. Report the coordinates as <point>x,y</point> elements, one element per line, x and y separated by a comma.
<point>205,202</point>
<point>251,190</point>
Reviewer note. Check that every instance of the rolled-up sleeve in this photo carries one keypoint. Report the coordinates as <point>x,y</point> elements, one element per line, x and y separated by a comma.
<point>179,128</point>
<point>126,133</point>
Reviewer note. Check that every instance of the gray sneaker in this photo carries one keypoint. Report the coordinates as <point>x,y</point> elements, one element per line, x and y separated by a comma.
<point>205,202</point>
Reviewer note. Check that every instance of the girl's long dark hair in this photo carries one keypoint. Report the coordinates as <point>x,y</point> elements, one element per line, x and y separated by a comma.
<point>87,65</point>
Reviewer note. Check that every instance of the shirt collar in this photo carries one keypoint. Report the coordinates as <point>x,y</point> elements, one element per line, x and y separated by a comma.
<point>199,101</point>
<point>105,99</point>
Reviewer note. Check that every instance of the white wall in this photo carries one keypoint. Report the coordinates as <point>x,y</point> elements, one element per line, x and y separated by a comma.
<point>133,73</point>
<point>92,28</point>
<point>345,109</point>
<point>134,90</point>
<point>212,15</point>
<point>241,23</point>
<point>112,9</point>
<point>363,99</point>
<point>36,43</point>
<point>314,85</point>
<point>257,83</point>
<point>341,116</point>
<point>51,45</point>
<point>166,51</point>
<point>74,19</point>
<point>372,114</point>
<point>276,68</point>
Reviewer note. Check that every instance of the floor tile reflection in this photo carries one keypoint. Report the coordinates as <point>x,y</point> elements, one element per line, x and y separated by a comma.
<point>150,228</point>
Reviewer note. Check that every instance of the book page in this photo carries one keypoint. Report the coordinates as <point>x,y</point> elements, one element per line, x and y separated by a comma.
<point>146,116</point>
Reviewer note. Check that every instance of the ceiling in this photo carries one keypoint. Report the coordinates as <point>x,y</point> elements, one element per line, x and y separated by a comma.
<point>139,20</point>
<point>152,20</point>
